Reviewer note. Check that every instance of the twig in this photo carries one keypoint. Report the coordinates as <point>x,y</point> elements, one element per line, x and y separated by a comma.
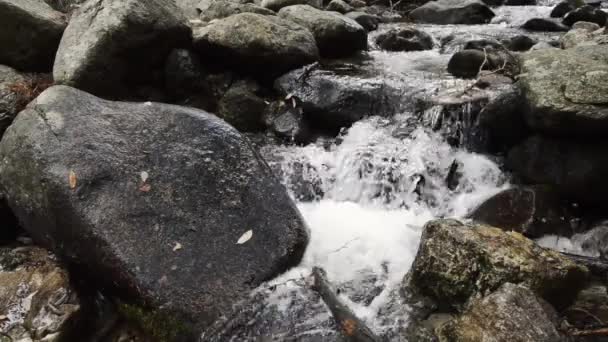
<point>597,319</point>
<point>344,246</point>
<point>592,332</point>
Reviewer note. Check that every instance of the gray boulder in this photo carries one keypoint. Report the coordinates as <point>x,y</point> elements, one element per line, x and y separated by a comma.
<point>533,211</point>
<point>92,58</point>
<point>335,34</point>
<point>457,261</point>
<point>276,5</point>
<point>257,43</point>
<point>30,34</point>
<point>447,12</point>
<point>405,39</point>
<point>167,209</point>
<point>561,9</point>
<point>519,43</point>
<point>468,63</point>
<point>512,313</point>
<point>339,6</point>
<point>565,91</point>
<point>576,169</point>
<point>332,100</point>
<point>368,21</point>
<point>243,107</point>
<point>218,9</point>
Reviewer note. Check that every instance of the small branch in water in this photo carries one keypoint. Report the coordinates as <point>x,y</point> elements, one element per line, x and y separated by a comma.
<point>351,327</point>
<point>344,246</point>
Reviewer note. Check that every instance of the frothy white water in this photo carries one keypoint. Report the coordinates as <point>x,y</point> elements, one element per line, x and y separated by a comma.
<point>377,187</point>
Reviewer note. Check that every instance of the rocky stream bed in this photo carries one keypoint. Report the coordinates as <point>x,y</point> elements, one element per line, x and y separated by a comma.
<point>303,170</point>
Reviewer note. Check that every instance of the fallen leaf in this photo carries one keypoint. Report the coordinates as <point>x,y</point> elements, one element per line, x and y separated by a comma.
<point>144,176</point>
<point>177,247</point>
<point>72,179</point>
<point>245,237</point>
<point>349,326</point>
<point>145,187</point>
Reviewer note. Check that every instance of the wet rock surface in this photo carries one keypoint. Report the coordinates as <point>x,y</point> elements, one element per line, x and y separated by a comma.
<point>30,34</point>
<point>143,232</point>
<point>511,313</point>
<point>457,261</point>
<point>37,301</point>
<point>218,9</point>
<point>332,99</point>
<point>576,169</point>
<point>532,211</point>
<point>89,58</point>
<point>544,25</point>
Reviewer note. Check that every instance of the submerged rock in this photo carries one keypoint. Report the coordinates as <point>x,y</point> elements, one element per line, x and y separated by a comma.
<point>167,209</point>
<point>405,39</point>
<point>566,91</point>
<point>446,12</point>
<point>576,169</point>
<point>257,43</point>
<point>520,43</point>
<point>332,100</point>
<point>457,261</point>
<point>92,58</point>
<point>336,35</point>
<point>533,211</point>
<point>37,301</point>
<point>30,34</point>
<point>512,313</point>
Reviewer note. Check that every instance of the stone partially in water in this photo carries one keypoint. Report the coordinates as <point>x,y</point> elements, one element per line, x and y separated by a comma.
<point>586,13</point>
<point>544,25</point>
<point>405,39</point>
<point>512,313</point>
<point>457,261</point>
<point>150,202</point>
<point>533,211</point>
<point>446,12</point>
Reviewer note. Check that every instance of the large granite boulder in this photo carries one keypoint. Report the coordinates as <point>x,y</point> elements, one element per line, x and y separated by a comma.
<point>447,12</point>
<point>30,32</point>
<point>577,169</point>
<point>456,261</point>
<point>335,34</point>
<point>257,43</point>
<point>111,46</point>
<point>512,313</point>
<point>533,211</point>
<point>167,209</point>
<point>566,91</point>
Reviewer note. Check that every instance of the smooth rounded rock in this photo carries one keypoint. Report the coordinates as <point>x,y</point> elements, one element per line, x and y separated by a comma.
<point>446,12</point>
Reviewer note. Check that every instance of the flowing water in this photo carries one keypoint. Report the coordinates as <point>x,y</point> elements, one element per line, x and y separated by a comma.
<point>367,194</point>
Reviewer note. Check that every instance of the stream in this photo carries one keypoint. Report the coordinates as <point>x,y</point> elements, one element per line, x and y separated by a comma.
<point>366,194</point>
